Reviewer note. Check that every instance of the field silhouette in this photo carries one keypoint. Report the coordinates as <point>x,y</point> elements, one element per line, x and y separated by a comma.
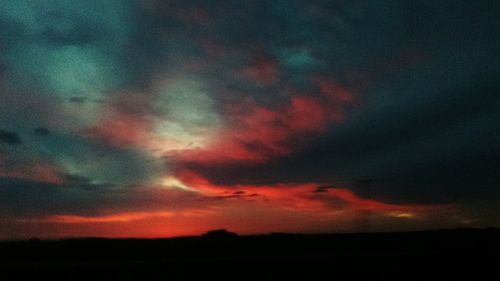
<point>461,254</point>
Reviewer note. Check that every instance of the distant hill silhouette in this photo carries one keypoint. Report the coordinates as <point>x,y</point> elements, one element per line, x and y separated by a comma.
<point>219,233</point>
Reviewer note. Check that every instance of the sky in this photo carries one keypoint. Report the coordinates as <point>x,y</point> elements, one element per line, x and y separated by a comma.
<point>153,118</point>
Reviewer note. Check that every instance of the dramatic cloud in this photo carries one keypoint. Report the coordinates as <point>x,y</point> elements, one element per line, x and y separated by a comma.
<point>158,118</point>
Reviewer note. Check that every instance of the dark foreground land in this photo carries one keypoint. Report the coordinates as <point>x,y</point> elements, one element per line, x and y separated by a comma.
<point>434,255</point>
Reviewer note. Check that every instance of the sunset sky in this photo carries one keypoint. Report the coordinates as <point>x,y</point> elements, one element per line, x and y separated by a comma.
<point>159,118</point>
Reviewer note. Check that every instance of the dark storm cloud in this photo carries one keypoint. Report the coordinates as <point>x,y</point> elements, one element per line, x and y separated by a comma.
<point>10,137</point>
<point>25,197</point>
<point>426,130</point>
<point>438,149</point>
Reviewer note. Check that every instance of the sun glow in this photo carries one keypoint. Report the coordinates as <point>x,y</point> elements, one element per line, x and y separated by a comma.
<point>173,182</point>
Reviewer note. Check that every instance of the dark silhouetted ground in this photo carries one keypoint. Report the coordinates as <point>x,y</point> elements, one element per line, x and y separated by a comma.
<point>465,254</point>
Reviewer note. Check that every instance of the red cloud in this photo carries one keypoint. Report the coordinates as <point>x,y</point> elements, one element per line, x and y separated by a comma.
<point>303,197</point>
<point>334,92</point>
<point>263,71</point>
<point>125,122</point>
<point>307,114</point>
<point>37,171</point>
<point>256,133</point>
<point>119,129</point>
